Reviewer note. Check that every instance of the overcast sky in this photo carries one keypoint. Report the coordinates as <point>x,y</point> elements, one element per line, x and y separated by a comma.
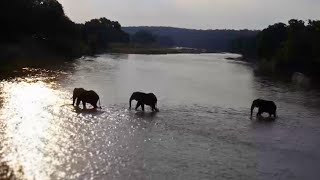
<point>196,14</point>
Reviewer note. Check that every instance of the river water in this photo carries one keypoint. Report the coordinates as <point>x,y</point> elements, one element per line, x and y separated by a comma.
<point>203,129</point>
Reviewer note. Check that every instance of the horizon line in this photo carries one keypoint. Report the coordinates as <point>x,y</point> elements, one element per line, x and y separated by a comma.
<point>197,29</point>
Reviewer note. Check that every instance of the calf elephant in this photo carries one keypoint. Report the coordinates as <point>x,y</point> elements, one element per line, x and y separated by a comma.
<point>144,99</point>
<point>85,96</point>
<point>264,106</point>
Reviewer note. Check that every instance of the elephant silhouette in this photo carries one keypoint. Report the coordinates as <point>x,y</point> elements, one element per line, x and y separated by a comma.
<point>144,99</point>
<point>264,106</point>
<point>85,96</point>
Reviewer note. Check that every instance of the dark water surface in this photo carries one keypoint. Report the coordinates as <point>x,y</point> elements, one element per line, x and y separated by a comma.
<point>203,130</point>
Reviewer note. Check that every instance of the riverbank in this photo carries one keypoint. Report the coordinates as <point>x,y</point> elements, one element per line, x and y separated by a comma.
<point>14,57</point>
<point>34,53</point>
<point>306,78</point>
<point>285,48</point>
<point>151,49</point>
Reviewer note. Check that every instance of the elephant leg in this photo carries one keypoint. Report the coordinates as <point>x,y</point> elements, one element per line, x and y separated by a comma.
<point>142,106</point>
<point>259,112</point>
<point>273,114</point>
<point>84,105</point>
<point>153,107</point>
<point>138,104</point>
<point>95,106</point>
<point>78,102</point>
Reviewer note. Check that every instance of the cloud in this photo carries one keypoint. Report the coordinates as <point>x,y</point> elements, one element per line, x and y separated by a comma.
<point>205,14</point>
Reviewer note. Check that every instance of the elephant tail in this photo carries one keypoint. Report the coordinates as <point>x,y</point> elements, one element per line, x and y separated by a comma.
<point>156,107</point>
<point>100,104</point>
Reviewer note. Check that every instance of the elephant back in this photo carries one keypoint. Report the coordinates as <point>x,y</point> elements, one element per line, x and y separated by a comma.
<point>152,96</point>
<point>93,94</point>
<point>269,105</point>
<point>89,96</point>
<point>151,99</point>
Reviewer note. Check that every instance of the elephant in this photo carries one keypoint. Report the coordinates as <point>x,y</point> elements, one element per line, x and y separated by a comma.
<point>264,106</point>
<point>85,96</point>
<point>144,99</point>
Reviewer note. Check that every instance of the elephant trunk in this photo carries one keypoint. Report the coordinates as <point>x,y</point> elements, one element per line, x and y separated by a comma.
<point>73,99</point>
<point>100,104</point>
<point>131,98</point>
<point>252,107</point>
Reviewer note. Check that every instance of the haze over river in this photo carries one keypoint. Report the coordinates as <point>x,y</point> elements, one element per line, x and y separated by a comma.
<point>203,129</point>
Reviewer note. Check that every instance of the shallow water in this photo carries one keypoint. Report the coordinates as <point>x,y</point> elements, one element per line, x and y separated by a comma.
<point>203,129</point>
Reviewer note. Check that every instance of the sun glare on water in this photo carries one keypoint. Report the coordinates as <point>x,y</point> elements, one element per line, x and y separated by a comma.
<point>28,110</point>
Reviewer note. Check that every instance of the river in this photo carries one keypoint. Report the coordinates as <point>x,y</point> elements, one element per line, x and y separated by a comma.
<point>203,129</point>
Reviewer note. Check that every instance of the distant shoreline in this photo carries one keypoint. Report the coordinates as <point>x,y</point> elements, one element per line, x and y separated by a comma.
<point>145,49</point>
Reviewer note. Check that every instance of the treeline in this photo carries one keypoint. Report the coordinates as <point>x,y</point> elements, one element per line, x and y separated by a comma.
<point>40,28</point>
<point>98,34</point>
<point>289,48</point>
<point>211,40</point>
<point>144,37</point>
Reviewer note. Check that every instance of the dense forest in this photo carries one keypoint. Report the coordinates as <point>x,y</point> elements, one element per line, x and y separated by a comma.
<point>211,40</point>
<point>289,48</point>
<point>40,29</point>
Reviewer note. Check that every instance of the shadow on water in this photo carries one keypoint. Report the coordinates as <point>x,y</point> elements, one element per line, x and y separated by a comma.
<point>88,111</point>
<point>260,121</point>
<point>6,173</point>
<point>264,119</point>
<point>148,116</point>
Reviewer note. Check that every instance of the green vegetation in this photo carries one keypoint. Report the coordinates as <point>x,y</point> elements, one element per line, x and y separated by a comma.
<point>36,23</point>
<point>283,48</point>
<point>39,30</point>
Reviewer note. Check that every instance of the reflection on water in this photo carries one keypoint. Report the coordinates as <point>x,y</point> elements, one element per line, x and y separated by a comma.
<point>44,137</point>
<point>203,130</point>
<point>29,112</point>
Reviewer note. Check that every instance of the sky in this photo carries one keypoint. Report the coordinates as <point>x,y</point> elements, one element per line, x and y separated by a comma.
<point>194,14</point>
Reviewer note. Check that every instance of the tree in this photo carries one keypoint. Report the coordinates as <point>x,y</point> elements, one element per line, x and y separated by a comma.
<point>271,39</point>
<point>99,33</point>
<point>143,37</point>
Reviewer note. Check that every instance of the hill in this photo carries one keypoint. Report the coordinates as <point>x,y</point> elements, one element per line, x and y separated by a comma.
<point>211,40</point>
